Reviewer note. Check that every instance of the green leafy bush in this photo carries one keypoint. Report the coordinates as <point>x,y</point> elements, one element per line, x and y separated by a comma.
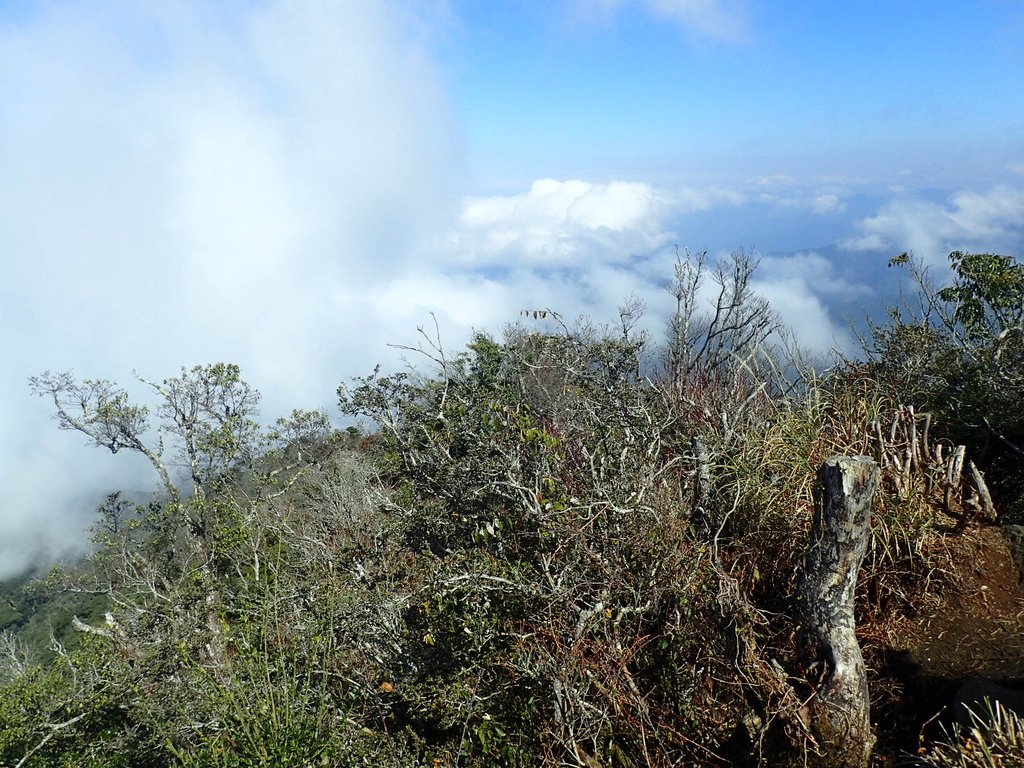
<point>958,352</point>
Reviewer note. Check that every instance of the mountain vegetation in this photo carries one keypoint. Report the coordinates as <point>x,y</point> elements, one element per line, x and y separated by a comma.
<point>573,545</point>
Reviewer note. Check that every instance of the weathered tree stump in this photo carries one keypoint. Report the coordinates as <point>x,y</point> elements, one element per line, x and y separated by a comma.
<point>839,710</point>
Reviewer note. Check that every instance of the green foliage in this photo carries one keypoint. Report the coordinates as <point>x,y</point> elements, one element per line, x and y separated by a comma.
<point>959,354</point>
<point>988,293</point>
<point>211,410</point>
<point>207,413</point>
<point>38,612</point>
<point>74,712</point>
<point>570,547</point>
<point>271,704</point>
<point>539,488</point>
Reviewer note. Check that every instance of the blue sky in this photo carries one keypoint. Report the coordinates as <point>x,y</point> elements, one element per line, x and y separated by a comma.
<point>810,90</point>
<point>294,184</point>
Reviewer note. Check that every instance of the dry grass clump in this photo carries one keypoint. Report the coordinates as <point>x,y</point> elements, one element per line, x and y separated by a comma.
<point>995,739</point>
<point>771,473</point>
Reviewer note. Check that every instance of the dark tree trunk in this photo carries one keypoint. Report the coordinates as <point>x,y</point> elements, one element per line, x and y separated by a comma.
<point>839,712</point>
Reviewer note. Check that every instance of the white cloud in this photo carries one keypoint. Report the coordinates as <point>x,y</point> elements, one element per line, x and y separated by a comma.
<point>805,314</point>
<point>777,180</point>
<point>191,183</point>
<point>465,300</point>
<point>563,223</point>
<point>815,271</point>
<point>726,21</point>
<point>784,191</point>
<point>827,203</point>
<point>797,287</point>
<point>991,221</point>
<point>573,222</point>
<point>872,241</point>
<point>696,199</point>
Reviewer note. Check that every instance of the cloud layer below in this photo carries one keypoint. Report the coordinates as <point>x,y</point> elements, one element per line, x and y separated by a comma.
<point>563,223</point>
<point>967,220</point>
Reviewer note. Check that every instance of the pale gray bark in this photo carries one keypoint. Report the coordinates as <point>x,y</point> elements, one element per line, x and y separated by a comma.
<point>839,710</point>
